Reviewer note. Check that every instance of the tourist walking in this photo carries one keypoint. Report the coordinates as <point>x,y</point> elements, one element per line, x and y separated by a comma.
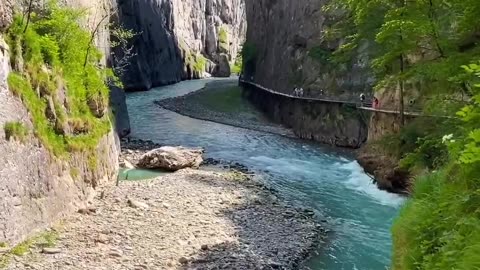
<point>362,99</point>
<point>376,103</point>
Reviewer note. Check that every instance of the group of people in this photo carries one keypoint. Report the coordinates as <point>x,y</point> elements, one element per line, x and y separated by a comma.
<point>298,92</point>
<point>375,101</point>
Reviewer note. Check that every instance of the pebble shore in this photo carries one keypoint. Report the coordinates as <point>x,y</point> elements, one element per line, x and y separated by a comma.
<point>191,219</point>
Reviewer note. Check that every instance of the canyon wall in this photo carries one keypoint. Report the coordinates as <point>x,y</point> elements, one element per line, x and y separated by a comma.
<point>181,39</point>
<point>290,48</point>
<point>336,124</point>
<point>37,188</point>
<point>103,13</point>
<point>290,45</point>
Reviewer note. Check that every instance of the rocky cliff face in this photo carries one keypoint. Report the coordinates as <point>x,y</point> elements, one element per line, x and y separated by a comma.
<point>181,39</point>
<point>291,49</point>
<point>331,123</point>
<point>37,188</point>
<point>102,13</point>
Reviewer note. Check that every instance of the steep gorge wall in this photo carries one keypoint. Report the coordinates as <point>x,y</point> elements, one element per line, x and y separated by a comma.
<point>287,49</point>
<point>336,124</point>
<point>37,188</point>
<point>172,34</point>
<point>291,49</point>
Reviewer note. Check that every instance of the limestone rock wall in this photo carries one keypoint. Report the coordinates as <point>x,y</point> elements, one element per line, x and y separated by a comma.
<point>36,188</point>
<point>5,14</point>
<point>291,50</point>
<point>173,33</point>
<point>331,123</point>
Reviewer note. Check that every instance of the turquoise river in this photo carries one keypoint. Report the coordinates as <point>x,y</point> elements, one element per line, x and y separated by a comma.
<point>329,180</point>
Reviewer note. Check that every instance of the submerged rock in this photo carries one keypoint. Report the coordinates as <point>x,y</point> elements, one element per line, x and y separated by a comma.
<point>171,158</point>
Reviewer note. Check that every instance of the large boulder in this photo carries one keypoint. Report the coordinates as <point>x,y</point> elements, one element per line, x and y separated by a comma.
<point>223,67</point>
<point>171,158</point>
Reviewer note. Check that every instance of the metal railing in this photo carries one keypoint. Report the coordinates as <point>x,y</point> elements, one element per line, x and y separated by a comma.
<point>366,106</point>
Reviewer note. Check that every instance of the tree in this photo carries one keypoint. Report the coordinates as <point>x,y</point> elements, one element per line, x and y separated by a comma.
<point>415,45</point>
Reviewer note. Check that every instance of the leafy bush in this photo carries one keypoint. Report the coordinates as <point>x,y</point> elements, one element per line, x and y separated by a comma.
<point>320,54</point>
<point>200,63</point>
<point>439,228</point>
<point>223,38</point>
<point>419,145</point>
<point>15,130</point>
<point>53,53</point>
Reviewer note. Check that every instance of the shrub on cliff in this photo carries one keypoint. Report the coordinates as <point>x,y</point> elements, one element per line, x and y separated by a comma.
<point>223,39</point>
<point>439,228</point>
<point>59,79</point>
<point>15,130</point>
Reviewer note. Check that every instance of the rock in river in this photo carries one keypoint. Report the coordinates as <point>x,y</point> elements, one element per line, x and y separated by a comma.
<point>171,158</point>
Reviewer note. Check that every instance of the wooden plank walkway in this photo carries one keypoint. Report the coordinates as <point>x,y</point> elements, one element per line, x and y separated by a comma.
<point>358,105</point>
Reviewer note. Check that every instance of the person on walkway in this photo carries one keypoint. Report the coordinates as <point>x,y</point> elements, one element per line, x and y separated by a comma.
<point>321,92</point>
<point>295,91</point>
<point>376,103</point>
<point>300,92</point>
<point>362,98</point>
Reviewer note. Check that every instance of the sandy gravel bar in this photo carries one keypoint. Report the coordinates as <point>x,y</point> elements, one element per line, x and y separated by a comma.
<point>188,220</point>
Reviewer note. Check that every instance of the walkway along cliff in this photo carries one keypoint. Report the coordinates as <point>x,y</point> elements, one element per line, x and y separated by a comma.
<point>288,48</point>
<point>339,123</point>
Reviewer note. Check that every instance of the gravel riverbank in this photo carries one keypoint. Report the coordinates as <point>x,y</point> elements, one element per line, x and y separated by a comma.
<point>221,102</point>
<point>187,220</point>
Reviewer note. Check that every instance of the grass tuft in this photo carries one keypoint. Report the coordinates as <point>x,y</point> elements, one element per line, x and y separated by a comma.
<point>15,130</point>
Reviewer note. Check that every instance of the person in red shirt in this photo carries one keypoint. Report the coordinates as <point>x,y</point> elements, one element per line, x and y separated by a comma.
<point>376,103</point>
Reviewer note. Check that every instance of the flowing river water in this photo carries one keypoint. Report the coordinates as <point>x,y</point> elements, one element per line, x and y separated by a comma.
<point>358,215</point>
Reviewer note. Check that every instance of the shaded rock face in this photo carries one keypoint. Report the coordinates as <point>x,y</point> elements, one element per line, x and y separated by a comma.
<point>171,158</point>
<point>120,110</point>
<point>171,33</point>
<point>291,50</point>
<point>5,14</point>
<point>331,123</point>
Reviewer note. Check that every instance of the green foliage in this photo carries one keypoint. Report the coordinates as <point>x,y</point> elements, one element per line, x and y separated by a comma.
<point>15,130</point>
<point>421,43</point>
<point>53,49</point>
<point>22,248</point>
<point>227,99</point>
<point>249,55</point>
<point>200,62</point>
<point>439,228</point>
<point>197,61</point>
<point>320,54</point>
<point>236,67</point>
<point>223,38</point>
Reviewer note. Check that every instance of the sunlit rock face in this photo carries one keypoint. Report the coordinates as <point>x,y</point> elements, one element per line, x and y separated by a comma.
<point>292,49</point>
<point>180,39</point>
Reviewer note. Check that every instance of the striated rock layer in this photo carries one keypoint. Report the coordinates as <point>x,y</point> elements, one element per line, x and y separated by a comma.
<point>175,36</point>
